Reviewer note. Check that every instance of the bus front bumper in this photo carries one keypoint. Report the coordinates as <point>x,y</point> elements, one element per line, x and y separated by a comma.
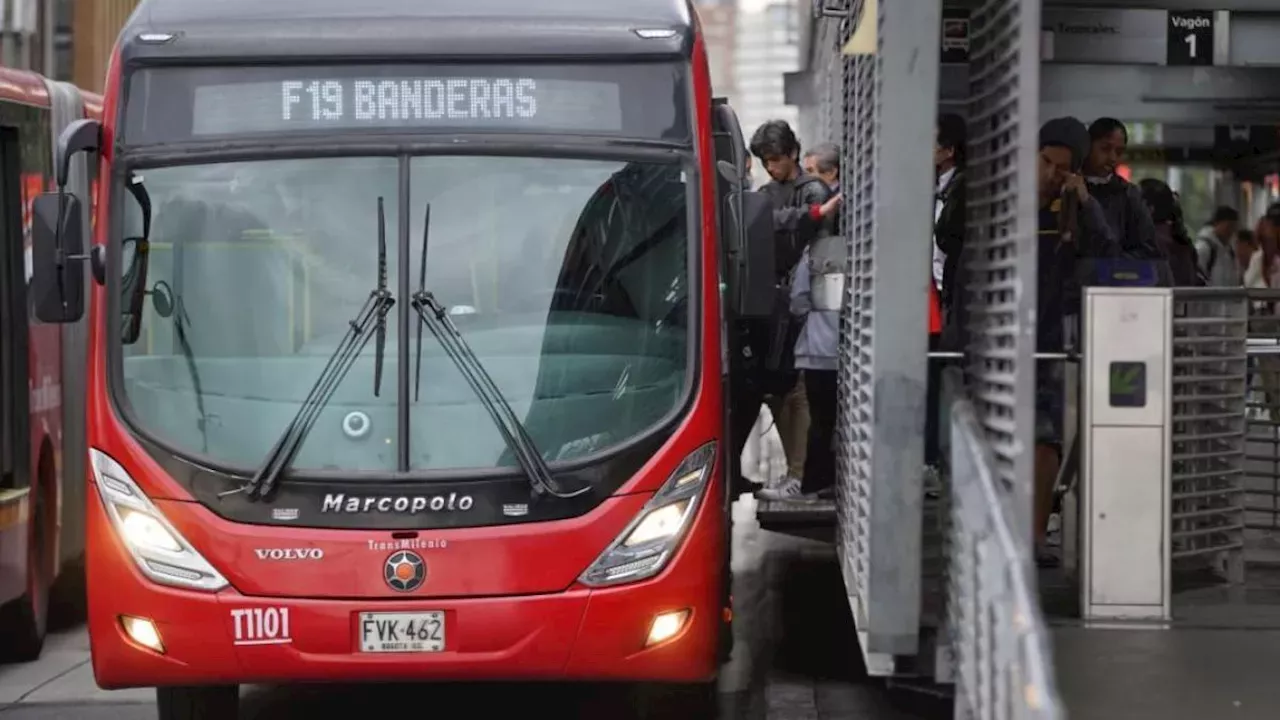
<point>226,637</point>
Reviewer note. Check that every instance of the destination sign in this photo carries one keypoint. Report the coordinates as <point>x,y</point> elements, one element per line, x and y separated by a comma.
<point>172,104</point>
<point>471,99</point>
<point>459,102</point>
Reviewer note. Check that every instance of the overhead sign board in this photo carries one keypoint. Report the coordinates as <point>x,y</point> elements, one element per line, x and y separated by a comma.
<point>1190,37</point>
<point>1127,36</point>
<point>1104,36</point>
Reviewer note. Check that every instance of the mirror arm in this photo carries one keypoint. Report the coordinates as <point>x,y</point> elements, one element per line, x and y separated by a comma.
<point>143,198</point>
<point>83,135</point>
<point>98,263</point>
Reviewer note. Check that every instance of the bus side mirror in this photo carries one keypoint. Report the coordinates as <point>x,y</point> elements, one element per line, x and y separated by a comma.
<point>83,135</point>
<point>57,258</point>
<point>752,276</point>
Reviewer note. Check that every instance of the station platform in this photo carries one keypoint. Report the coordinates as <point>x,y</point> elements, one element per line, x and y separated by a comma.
<point>1216,659</point>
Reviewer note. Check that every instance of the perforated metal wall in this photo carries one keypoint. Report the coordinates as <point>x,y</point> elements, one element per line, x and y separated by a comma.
<point>1001,243</point>
<point>887,219</point>
<point>856,425</point>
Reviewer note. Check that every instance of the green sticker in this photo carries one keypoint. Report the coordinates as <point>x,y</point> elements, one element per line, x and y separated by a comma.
<point>1128,384</point>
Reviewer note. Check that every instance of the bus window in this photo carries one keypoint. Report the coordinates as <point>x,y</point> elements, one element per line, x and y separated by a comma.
<point>573,278</point>
<point>267,263</point>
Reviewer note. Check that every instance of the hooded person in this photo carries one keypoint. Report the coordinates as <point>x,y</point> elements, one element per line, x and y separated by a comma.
<point>1122,201</point>
<point>1073,232</point>
<point>1072,227</point>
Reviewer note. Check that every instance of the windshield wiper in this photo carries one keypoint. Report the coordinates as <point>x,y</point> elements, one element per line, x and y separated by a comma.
<point>435,317</point>
<point>180,323</point>
<point>371,319</point>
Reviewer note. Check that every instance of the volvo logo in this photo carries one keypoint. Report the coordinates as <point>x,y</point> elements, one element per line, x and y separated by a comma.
<point>356,425</point>
<point>289,553</point>
<point>404,571</point>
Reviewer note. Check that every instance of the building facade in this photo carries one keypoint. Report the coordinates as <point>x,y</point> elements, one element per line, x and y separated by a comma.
<point>719,31</point>
<point>27,29</point>
<point>95,25</point>
<point>768,45</point>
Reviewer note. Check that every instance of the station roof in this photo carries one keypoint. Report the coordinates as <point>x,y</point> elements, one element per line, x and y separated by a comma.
<point>237,30</point>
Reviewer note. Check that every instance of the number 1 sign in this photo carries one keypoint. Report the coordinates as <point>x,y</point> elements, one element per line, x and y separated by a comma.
<point>1190,37</point>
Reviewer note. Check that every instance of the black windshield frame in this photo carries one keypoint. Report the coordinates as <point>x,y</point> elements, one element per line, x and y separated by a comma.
<point>400,232</point>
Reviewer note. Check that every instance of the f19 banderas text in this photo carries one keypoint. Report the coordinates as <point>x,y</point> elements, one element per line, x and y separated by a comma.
<point>467,99</point>
<point>342,503</point>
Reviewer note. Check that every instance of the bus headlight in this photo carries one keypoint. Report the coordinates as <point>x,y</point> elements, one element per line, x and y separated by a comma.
<point>159,550</point>
<point>648,542</point>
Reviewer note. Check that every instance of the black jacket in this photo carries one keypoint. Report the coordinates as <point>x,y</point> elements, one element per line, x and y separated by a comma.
<point>1066,267</point>
<point>795,219</point>
<point>796,225</point>
<point>1062,271</point>
<point>948,235</point>
<point>1128,217</point>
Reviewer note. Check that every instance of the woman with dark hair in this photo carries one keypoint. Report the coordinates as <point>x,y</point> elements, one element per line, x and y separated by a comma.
<point>1264,266</point>
<point>1121,200</point>
<point>1264,273</point>
<point>1170,232</point>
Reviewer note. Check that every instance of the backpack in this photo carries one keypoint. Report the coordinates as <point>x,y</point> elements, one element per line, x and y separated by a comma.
<point>1213,260</point>
<point>790,250</point>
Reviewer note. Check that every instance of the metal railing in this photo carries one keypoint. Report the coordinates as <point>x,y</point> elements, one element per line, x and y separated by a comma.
<point>1208,436</point>
<point>999,641</point>
<point>1262,449</point>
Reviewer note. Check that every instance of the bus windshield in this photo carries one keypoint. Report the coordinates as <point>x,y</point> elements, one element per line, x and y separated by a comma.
<point>569,278</point>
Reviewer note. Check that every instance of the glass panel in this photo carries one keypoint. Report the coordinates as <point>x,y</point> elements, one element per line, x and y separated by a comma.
<point>570,281</point>
<point>568,278</point>
<point>264,265</point>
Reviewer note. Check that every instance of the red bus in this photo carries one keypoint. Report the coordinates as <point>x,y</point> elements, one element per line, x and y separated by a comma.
<point>41,405</point>
<point>407,344</point>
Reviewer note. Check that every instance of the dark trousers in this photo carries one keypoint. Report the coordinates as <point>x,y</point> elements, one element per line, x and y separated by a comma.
<point>820,463</point>
<point>932,421</point>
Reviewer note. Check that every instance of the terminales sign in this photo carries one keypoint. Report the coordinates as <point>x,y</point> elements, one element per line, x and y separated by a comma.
<point>421,99</point>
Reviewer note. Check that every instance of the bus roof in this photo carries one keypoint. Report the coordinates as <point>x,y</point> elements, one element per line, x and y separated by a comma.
<point>318,30</point>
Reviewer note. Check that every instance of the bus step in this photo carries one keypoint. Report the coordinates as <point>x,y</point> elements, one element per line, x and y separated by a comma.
<point>813,520</point>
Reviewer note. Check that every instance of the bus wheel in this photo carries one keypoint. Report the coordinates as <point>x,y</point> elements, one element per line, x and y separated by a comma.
<point>218,702</point>
<point>657,701</point>
<point>23,622</point>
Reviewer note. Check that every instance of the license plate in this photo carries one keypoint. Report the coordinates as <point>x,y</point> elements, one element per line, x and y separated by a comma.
<point>402,632</point>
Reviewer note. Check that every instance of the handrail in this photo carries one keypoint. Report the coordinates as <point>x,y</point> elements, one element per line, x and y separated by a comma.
<point>1001,643</point>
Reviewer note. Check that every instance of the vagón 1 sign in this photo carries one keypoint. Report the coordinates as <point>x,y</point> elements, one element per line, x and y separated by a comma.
<point>1190,37</point>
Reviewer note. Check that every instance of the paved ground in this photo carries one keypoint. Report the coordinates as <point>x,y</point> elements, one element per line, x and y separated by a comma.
<point>795,659</point>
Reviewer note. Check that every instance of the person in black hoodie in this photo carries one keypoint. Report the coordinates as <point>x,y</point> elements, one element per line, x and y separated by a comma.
<point>1073,230</point>
<point>1121,200</point>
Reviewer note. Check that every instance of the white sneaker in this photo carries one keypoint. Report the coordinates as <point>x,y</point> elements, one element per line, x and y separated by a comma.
<point>788,489</point>
<point>1053,533</point>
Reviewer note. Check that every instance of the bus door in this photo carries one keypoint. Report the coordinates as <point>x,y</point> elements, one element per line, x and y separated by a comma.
<point>15,472</point>
<point>747,291</point>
